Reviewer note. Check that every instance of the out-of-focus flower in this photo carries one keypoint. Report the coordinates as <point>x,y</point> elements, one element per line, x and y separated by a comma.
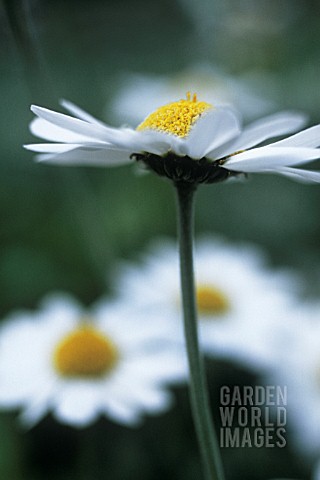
<point>239,298</point>
<point>299,369</point>
<point>187,141</point>
<point>157,90</point>
<point>81,365</point>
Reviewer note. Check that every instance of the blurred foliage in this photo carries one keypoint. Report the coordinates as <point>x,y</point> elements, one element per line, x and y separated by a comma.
<point>65,228</point>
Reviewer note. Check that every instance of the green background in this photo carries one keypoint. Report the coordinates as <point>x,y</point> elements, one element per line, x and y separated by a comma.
<point>64,228</point>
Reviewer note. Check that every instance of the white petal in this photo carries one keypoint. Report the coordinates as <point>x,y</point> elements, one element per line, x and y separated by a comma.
<point>213,129</point>
<point>94,131</point>
<point>77,405</point>
<point>163,367</point>
<point>122,413</point>
<point>150,141</point>
<point>303,176</point>
<point>307,138</point>
<point>263,158</point>
<point>33,414</point>
<point>51,147</point>
<point>255,133</point>
<point>38,405</point>
<point>149,398</point>
<point>100,157</point>
<point>79,113</point>
<point>156,400</point>
<point>46,130</point>
<point>61,305</point>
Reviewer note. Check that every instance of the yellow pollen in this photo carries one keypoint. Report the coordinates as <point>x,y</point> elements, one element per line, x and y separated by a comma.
<point>176,118</point>
<point>85,352</point>
<point>211,301</point>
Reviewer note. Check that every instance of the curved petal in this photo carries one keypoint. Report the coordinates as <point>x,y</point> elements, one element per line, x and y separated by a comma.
<point>213,129</point>
<point>121,412</point>
<point>51,147</point>
<point>164,367</point>
<point>263,158</point>
<point>259,131</point>
<point>77,405</point>
<point>38,406</point>
<point>303,176</point>
<point>151,398</point>
<point>143,395</point>
<point>30,416</point>
<point>43,129</point>
<point>309,138</point>
<point>79,113</point>
<point>93,131</point>
<point>99,157</point>
<point>150,141</point>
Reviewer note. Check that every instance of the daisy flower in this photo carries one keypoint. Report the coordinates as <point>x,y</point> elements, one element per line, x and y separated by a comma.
<point>189,141</point>
<point>157,90</point>
<point>81,365</point>
<point>242,303</point>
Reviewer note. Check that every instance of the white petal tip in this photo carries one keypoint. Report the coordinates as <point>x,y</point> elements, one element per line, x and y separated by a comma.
<point>65,103</point>
<point>35,109</point>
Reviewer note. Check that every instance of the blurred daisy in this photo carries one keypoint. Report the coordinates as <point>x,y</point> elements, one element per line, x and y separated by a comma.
<point>187,141</point>
<point>299,369</point>
<point>242,304</point>
<point>79,367</point>
<point>157,90</point>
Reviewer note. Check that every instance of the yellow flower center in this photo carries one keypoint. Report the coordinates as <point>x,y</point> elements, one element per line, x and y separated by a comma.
<point>85,352</point>
<point>176,118</point>
<point>211,301</point>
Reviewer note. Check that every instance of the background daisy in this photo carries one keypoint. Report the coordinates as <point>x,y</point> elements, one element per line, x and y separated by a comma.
<point>239,296</point>
<point>157,90</point>
<point>80,365</point>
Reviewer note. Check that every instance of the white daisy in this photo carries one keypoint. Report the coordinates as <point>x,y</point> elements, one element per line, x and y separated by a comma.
<point>299,369</point>
<point>157,90</point>
<point>188,141</point>
<point>79,367</point>
<point>238,298</point>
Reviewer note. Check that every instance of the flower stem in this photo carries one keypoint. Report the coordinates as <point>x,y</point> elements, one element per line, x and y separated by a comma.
<point>197,384</point>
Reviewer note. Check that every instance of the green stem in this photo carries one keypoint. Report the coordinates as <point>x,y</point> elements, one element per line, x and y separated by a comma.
<point>197,385</point>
